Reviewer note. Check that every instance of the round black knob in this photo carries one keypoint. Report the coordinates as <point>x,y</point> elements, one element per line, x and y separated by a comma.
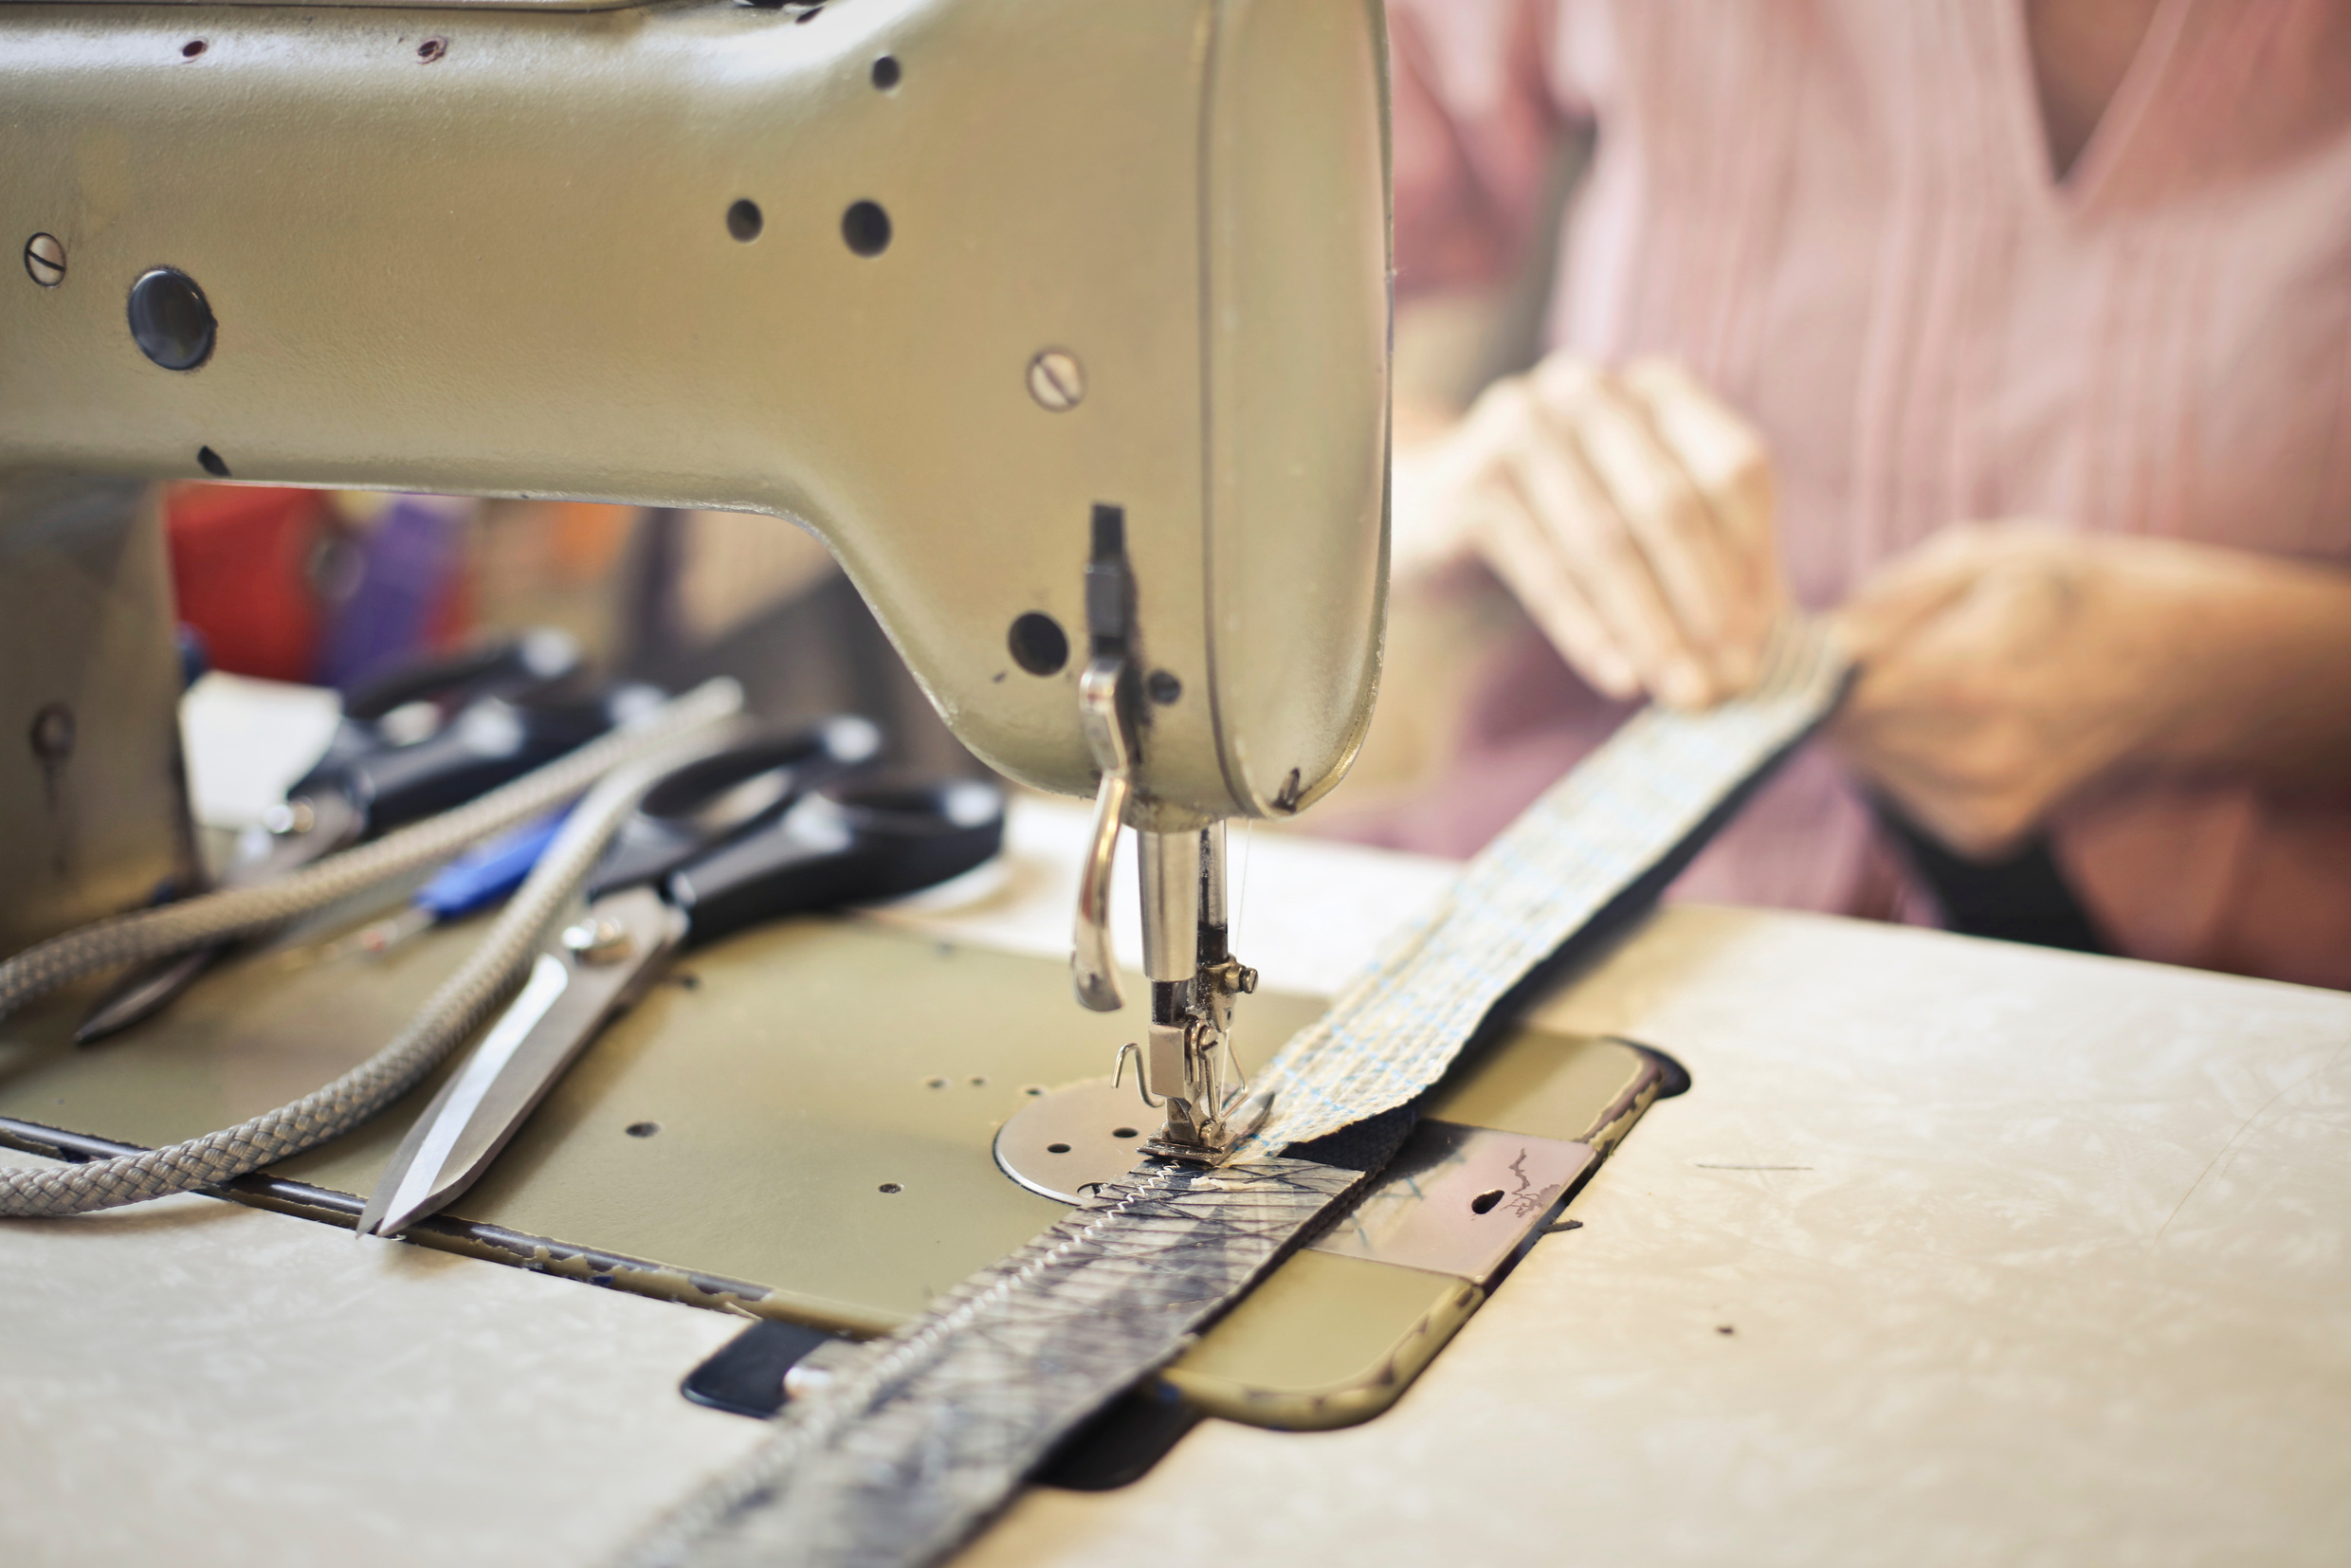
<point>170,320</point>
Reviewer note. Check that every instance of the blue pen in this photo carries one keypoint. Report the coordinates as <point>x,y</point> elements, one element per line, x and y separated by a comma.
<point>475,879</point>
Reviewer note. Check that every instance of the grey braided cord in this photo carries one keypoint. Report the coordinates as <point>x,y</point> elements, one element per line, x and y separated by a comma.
<point>462,1004</point>
<point>145,934</point>
<point>917,1443</point>
<point>928,1432</point>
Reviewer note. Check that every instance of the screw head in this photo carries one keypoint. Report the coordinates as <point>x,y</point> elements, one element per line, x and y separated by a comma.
<point>45,259</point>
<point>52,734</point>
<point>1056,380</point>
<point>296,817</point>
<point>599,941</point>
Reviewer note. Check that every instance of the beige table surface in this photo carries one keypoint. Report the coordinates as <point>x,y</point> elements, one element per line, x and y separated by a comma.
<point>1957,1253</point>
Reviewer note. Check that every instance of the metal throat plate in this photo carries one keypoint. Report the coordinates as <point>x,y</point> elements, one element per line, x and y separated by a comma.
<point>1459,1200</point>
<point>1456,1201</point>
<point>1075,1138</point>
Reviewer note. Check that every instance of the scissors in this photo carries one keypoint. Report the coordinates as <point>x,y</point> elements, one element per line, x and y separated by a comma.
<point>717,845</point>
<point>508,710</point>
<point>419,697</point>
<point>490,871</point>
<point>484,875</point>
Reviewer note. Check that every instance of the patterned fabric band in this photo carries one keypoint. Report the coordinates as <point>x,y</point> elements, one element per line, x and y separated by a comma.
<point>916,1442</point>
<point>917,1439</point>
<point>1608,836</point>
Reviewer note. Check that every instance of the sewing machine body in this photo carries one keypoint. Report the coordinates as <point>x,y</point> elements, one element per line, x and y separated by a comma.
<point>931,279</point>
<point>93,804</point>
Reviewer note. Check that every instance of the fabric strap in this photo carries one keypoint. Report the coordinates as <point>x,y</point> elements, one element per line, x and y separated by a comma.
<point>924,1435</point>
<point>1606,837</point>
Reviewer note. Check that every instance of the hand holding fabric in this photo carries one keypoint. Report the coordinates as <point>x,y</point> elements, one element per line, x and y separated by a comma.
<point>2006,666</point>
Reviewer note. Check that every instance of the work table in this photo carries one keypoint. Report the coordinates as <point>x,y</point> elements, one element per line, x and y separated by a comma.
<point>1956,1251</point>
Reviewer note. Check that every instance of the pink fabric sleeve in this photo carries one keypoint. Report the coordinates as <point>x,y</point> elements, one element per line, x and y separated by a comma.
<point>1474,121</point>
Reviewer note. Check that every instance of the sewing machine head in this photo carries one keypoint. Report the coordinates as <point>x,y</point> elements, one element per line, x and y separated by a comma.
<point>1062,324</point>
<point>931,278</point>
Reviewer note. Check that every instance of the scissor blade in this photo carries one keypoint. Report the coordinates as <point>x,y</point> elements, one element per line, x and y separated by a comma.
<point>335,822</point>
<point>559,1009</point>
<point>152,987</point>
<point>144,993</point>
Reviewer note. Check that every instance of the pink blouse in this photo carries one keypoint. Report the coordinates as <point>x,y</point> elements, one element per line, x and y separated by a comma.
<point>1840,214</point>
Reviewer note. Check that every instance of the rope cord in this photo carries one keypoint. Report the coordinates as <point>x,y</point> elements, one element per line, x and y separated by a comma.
<point>634,760</point>
<point>145,934</point>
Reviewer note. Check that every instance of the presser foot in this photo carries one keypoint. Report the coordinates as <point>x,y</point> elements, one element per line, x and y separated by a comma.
<point>1187,1069</point>
<point>1212,1144</point>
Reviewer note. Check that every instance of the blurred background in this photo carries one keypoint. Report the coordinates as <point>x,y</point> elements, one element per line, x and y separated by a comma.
<point>335,589</point>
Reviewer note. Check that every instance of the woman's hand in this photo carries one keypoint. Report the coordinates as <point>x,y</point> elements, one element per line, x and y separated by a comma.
<point>2007,666</point>
<point>1630,512</point>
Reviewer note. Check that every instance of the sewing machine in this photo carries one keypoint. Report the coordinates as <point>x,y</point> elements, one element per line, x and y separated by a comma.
<point>1065,325</point>
<point>1062,321</point>
<point>1062,324</point>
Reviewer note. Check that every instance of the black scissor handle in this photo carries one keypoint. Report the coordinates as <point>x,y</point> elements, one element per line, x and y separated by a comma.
<point>726,793</point>
<point>851,842</point>
<point>534,658</point>
<point>491,742</point>
<point>538,660</point>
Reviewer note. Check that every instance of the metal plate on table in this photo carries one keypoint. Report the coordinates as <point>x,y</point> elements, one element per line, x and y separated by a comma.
<point>1459,1200</point>
<point>797,1119</point>
<point>1073,1139</point>
<point>797,1122</point>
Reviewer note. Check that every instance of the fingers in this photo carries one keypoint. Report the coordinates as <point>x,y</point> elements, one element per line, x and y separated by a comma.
<point>1596,549</point>
<point>1528,558</point>
<point>1633,518</point>
<point>1670,571</point>
<point>1731,471</point>
<point>1979,825</point>
<point>1971,710</point>
<point>1979,779</point>
<point>1723,454</point>
<point>1907,595</point>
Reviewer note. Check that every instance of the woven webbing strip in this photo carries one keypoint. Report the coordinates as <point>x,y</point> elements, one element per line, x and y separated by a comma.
<point>1640,801</point>
<point>461,1004</point>
<point>934,1429</point>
